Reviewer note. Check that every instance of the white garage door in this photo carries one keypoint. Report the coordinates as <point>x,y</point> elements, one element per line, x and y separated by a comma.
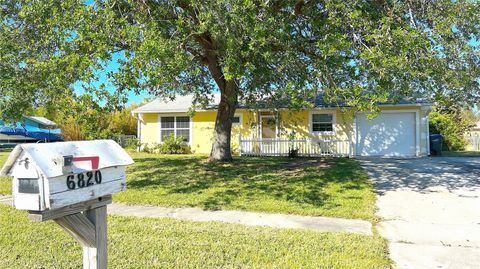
<point>389,134</point>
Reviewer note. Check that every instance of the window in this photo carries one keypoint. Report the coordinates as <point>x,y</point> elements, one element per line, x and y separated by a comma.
<point>177,126</point>
<point>236,120</point>
<point>322,122</point>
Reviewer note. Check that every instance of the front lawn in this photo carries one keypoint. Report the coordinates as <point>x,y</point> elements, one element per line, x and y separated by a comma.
<point>320,187</point>
<point>305,186</point>
<point>5,183</point>
<point>167,243</point>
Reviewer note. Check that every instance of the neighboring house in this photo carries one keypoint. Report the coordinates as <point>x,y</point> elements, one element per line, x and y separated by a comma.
<point>30,129</point>
<point>475,130</point>
<point>473,138</point>
<point>399,130</point>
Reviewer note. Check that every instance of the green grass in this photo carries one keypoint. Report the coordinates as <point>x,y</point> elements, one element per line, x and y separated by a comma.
<point>5,182</point>
<point>166,243</point>
<point>318,187</point>
<point>461,153</point>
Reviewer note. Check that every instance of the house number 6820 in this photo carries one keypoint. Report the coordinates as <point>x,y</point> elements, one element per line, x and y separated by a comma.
<point>83,180</point>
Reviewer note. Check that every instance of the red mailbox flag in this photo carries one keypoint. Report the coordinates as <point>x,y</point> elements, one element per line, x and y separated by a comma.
<point>94,160</point>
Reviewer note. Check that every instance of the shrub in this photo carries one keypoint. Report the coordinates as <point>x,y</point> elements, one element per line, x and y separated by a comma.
<point>132,143</point>
<point>451,130</point>
<point>122,122</point>
<point>71,130</point>
<point>172,145</point>
<point>148,148</point>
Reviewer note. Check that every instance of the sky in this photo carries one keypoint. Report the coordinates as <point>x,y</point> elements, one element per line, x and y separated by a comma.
<point>112,66</point>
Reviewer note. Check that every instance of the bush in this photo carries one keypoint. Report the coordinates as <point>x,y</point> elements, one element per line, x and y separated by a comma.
<point>71,130</point>
<point>171,145</point>
<point>148,148</point>
<point>451,130</point>
<point>132,143</point>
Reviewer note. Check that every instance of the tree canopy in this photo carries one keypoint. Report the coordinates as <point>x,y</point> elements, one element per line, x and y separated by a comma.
<point>359,53</point>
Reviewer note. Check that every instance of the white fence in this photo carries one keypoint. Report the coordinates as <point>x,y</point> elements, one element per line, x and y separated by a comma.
<point>303,147</point>
<point>473,141</point>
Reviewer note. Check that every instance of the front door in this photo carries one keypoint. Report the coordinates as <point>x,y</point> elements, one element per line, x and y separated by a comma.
<point>269,127</point>
<point>269,133</point>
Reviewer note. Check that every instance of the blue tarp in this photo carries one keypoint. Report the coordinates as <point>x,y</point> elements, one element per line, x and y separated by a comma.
<point>51,135</point>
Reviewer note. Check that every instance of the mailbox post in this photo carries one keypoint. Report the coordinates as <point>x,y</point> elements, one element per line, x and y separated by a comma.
<point>70,183</point>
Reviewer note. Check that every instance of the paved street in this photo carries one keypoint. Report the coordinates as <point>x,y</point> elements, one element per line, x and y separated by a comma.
<point>430,210</point>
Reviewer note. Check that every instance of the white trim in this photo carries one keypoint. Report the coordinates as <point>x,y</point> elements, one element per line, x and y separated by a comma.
<point>323,111</point>
<point>261,124</point>
<point>428,134</point>
<point>417,130</point>
<point>417,127</point>
<point>353,142</point>
<point>190,126</point>
<point>139,130</point>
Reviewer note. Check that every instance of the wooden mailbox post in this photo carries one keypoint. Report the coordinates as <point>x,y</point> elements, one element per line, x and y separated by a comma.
<point>70,183</point>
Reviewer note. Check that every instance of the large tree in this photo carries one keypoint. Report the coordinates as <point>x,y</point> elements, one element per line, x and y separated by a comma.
<point>356,52</point>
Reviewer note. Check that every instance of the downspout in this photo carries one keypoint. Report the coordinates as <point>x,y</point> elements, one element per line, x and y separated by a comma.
<point>139,129</point>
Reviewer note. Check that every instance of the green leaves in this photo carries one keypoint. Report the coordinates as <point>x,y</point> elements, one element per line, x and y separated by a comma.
<point>451,128</point>
<point>357,52</point>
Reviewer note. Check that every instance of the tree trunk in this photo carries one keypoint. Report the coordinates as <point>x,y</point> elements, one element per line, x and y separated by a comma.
<point>221,149</point>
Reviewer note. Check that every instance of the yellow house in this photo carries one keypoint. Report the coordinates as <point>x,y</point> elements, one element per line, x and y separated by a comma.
<point>399,130</point>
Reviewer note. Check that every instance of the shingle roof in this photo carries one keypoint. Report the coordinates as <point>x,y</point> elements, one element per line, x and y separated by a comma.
<point>184,103</point>
<point>320,102</point>
<point>179,104</point>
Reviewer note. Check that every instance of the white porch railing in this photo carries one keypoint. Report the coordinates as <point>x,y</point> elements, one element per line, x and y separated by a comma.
<point>304,147</point>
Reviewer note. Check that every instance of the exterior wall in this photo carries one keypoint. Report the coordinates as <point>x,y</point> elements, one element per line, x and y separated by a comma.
<point>203,123</point>
<point>296,124</point>
<point>291,124</point>
<point>150,129</point>
<point>202,132</point>
<point>424,132</point>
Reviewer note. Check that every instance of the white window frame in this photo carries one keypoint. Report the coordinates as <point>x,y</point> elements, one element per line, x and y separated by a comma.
<point>334,122</point>
<point>190,126</point>
<point>240,123</point>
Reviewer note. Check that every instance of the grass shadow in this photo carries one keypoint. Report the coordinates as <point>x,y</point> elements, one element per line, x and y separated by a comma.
<point>249,181</point>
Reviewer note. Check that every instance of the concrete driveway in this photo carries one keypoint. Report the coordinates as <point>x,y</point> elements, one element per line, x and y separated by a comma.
<point>430,210</point>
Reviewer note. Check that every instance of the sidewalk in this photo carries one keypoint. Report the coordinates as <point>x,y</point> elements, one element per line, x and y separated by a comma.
<point>324,224</point>
<point>246,218</point>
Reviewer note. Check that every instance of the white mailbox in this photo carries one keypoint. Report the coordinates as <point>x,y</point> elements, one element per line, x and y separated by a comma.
<point>54,175</point>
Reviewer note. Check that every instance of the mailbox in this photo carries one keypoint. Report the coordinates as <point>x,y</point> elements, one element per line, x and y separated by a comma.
<point>54,175</point>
